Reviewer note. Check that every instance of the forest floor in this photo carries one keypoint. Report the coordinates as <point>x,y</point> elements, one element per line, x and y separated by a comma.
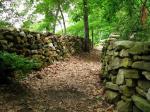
<point>72,85</point>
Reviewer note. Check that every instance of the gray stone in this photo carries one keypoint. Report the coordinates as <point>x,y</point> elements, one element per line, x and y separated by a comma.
<point>114,63</point>
<point>117,63</point>
<point>139,48</point>
<point>22,33</point>
<point>140,92</point>
<point>3,42</point>
<point>124,106</point>
<point>112,96</point>
<point>148,95</point>
<point>110,53</point>
<point>130,82</point>
<point>141,103</point>
<point>118,45</point>
<point>126,62</point>
<point>110,85</point>
<point>124,53</point>
<point>144,84</point>
<point>146,58</point>
<point>126,91</point>
<point>146,74</point>
<point>129,73</point>
<point>120,79</point>
<point>142,65</point>
<point>34,51</point>
<point>9,37</point>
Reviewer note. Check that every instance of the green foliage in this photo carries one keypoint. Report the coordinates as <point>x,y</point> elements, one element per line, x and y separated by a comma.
<point>4,24</point>
<point>105,17</point>
<point>17,63</point>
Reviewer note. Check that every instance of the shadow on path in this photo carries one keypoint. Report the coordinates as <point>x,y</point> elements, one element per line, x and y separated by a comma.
<point>68,86</point>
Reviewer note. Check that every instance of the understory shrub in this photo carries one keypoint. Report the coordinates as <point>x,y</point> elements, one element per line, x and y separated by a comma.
<point>12,64</point>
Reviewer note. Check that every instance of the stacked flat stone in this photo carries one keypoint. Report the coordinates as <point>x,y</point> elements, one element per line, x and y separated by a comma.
<point>46,47</point>
<point>126,74</point>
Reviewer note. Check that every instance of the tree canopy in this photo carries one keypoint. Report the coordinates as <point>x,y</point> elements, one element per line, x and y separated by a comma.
<point>123,17</point>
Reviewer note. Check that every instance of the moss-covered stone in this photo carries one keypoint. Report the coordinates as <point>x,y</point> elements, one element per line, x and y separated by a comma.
<point>120,79</point>
<point>126,62</point>
<point>110,85</point>
<point>129,73</point>
<point>148,95</point>
<point>130,82</point>
<point>113,79</point>
<point>144,84</point>
<point>141,103</point>
<point>116,63</point>
<point>135,109</point>
<point>140,92</point>
<point>112,96</point>
<point>138,48</point>
<point>145,58</point>
<point>118,45</point>
<point>142,65</point>
<point>124,53</point>
<point>126,99</point>
<point>146,74</point>
<point>126,91</point>
<point>124,106</point>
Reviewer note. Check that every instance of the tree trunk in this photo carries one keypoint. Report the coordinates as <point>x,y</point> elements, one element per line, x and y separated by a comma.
<point>86,26</point>
<point>144,13</point>
<point>55,22</point>
<point>63,18</point>
<point>60,25</point>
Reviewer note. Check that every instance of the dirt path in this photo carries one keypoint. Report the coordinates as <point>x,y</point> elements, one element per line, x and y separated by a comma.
<point>68,86</point>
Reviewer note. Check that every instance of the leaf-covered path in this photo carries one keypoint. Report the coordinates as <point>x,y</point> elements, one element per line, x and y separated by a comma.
<point>72,85</point>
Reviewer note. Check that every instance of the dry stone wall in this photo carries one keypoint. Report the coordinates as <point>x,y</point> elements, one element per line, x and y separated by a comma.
<point>126,74</point>
<point>42,46</point>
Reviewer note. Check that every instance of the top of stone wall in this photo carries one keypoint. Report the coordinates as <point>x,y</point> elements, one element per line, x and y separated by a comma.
<point>24,33</point>
<point>130,47</point>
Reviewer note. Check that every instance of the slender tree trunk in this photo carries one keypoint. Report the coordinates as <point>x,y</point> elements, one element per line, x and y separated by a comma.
<point>92,38</point>
<point>144,13</point>
<point>55,22</point>
<point>86,26</point>
<point>60,25</point>
<point>63,18</point>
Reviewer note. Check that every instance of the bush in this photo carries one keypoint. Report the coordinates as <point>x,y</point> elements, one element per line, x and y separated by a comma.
<point>11,63</point>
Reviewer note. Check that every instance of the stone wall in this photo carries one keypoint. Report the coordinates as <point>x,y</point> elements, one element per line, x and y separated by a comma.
<point>126,74</point>
<point>45,47</point>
